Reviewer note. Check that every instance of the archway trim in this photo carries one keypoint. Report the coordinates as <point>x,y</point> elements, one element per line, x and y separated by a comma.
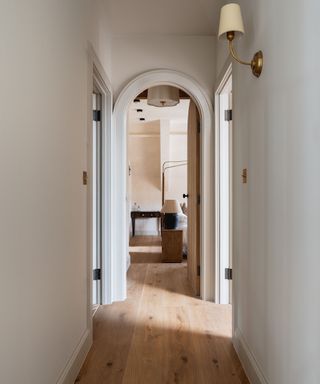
<point>118,182</point>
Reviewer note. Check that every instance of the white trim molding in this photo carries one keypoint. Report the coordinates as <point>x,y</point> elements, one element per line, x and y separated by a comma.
<point>97,76</point>
<point>118,146</point>
<point>247,359</point>
<point>224,78</point>
<point>74,365</point>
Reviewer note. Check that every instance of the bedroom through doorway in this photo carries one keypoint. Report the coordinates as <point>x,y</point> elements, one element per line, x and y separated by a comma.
<point>163,183</point>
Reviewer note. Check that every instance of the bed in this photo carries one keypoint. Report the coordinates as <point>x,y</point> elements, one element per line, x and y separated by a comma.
<point>183,225</point>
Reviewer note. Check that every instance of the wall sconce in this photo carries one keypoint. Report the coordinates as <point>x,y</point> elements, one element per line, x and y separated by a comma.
<point>231,25</point>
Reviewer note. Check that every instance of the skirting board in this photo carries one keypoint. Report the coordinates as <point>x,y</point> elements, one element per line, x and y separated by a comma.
<point>247,359</point>
<point>74,365</point>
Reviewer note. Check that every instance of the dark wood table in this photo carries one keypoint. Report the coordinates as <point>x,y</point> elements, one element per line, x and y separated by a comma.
<point>144,215</point>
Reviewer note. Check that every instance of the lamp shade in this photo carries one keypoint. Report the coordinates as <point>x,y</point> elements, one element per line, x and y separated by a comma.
<point>230,20</point>
<point>163,96</point>
<point>171,206</point>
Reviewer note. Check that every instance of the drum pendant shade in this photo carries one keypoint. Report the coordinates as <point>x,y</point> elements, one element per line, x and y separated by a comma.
<point>163,96</point>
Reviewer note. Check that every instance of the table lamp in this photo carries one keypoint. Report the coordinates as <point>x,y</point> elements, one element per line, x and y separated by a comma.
<point>171,209</point>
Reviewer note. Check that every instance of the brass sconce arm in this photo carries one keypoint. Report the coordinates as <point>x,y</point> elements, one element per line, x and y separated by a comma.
<point>256,63</point>
<point>167,165</point>
<point>234,55</point>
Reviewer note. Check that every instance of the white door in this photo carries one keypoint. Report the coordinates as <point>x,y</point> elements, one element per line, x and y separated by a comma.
<point>194,198</point>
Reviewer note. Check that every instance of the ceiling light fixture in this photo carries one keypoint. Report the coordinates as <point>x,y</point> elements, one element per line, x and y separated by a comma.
<point>163,96</point>
<point>231,25</point>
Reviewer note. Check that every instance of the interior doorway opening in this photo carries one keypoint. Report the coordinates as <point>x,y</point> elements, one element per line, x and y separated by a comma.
<point>224,188</point>
<point>118,148</point>
<point>164,173</point>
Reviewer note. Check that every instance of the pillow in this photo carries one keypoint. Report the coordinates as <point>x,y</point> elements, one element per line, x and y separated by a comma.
<point>182,220</point>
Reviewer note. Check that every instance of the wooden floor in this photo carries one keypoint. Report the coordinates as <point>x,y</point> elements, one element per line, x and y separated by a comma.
<point>137,241</point>
<point>145,249</point>
<point>162,335</point>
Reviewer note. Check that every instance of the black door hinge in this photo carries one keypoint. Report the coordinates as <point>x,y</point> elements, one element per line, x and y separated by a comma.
<point>97,274</point>
<point>97,116</point>
<point>198,270</point>
<point>199,127</point>
<point>228,115</point>
<point>198,200</point>
<point>228,273</point>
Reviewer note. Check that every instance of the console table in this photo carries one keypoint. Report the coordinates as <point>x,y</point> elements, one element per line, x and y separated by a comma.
<point>144,215</point>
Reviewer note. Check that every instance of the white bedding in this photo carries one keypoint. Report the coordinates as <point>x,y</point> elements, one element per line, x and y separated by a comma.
<point>183,224</point>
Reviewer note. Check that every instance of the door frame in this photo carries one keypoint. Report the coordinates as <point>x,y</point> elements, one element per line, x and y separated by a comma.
<point>97,186</point>
<point>97,78</point>
<point>222,82</point>
<point>120,253</point>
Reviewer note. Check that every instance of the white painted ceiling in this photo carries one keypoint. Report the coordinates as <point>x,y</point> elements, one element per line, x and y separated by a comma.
<point>177,114</point>
<point>163,17</point>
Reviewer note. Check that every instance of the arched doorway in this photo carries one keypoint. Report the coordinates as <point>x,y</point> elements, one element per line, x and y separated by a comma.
<point>118,182</point>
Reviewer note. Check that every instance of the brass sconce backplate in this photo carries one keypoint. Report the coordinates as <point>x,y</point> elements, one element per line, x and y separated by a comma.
<point>257,63</point>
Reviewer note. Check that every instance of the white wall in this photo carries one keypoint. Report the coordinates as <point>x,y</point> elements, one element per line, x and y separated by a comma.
<point>193,55</point>
<point>277,214</point>
<point>99,31</point>
<point>43,273</point>
<point>177,178</point>
<point>149,145</point>
<point>144,154</point>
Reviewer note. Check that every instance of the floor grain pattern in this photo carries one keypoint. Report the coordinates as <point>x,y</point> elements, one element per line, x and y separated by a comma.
<point>161,335</point>
<point>145,249</point>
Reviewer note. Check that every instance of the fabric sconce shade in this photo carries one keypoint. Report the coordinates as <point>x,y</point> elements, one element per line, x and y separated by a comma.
<point>230,20</point>
<point>163,96</point>
<point>171,209</point>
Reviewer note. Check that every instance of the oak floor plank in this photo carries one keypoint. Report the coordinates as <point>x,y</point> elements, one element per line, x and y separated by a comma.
<point>145,257</point>
<point>114,326</point>
<point>162,334</point>
<point>145,249</point>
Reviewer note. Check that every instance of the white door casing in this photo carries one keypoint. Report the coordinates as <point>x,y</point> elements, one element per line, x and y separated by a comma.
<point>96,75</point>
<point>223,163</point>
<point>119,169</point>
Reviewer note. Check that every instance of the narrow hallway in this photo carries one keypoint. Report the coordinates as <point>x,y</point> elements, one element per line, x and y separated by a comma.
<point>161,334</point>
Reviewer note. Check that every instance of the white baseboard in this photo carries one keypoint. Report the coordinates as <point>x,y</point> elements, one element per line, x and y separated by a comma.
<point>248,360</point>
<point>74,365</point>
